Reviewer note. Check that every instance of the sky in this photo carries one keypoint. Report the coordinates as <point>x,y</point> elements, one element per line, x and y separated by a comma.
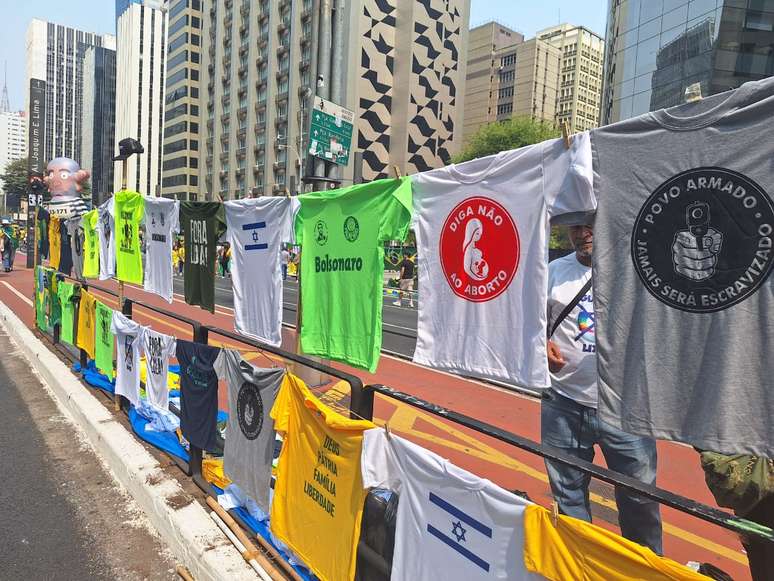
<point>525,16</point>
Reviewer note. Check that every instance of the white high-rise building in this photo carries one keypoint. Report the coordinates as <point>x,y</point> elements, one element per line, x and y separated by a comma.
<point>55,55</point>
<point>140,67</point>
<point>13,139</point>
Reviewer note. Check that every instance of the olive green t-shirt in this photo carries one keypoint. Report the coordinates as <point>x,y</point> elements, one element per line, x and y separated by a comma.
<point>202,224</point>
<point>128,212</point>
<point>90,244</point>
<point>342,263</point>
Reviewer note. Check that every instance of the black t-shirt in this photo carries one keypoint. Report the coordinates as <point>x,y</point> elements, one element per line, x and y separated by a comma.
<point>198,394</point>
<point>66,251</point>
<point>406,269</point>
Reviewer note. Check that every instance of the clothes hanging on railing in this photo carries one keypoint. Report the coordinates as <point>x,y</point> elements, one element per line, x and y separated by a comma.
<point>66,293</point>
<point>249,448</point>
<point>105,228</point>
<point>158,348</point>
<point>683,258</point>
<point>90,244</point>
<point>342,233</point>
<point>161,226</point>
<point>319,494</point>
<point>54,241</point>
<point>129,342</point>
<point>482,234</point>
<point>202,225</point>
<point>75,232</point>
<point>198,393</point>
<point>257,227</point>
<point>87,314</point>
<point>104,340</point>
<point>128,212</point>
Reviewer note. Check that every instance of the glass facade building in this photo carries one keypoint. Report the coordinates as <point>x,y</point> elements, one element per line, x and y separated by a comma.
<point>657,48</point>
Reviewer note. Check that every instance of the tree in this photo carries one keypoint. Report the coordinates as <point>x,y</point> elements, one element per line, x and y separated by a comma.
<point>505,135</point>
<point>14,181</point>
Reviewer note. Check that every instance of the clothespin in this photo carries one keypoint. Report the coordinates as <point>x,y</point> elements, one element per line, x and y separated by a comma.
<point>555,513</point>
<point>397,171</point>
<point>387,430</point>
<point>566,134</point>
<point>693,93</point>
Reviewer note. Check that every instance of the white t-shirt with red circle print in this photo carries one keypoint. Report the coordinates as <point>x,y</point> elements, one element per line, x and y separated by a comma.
<point>482,231</point>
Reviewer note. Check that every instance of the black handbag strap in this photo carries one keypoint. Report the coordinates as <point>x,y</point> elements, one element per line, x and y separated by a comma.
<point>570,306</point>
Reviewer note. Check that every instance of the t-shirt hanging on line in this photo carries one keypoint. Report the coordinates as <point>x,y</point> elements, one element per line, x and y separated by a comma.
<point>342,265</point>
<point>66,292</point>
<point>482,232</point>
<point>249,448</point>
<point>158,348</point>
<point>128,212</point>
<point>202,225</point>
<point>87,314</point>
<point>257,227</point>
<point>198,393</point>
<point>55,242</point>
<point>90,244</point>
<point>128,342</point>
<point>75,231</point>
<point>161,225</point>
<point>451,524</point>
<point>103,343</point>
<point>66,250</point>
<point>683,260</point>
<point>105,229</point>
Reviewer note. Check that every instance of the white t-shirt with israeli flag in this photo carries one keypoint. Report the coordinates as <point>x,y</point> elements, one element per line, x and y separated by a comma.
<point>451,524</point>
<point>256,229</point>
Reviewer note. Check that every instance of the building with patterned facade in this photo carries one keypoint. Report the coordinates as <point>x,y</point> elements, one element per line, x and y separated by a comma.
<point>140,77</point>
<point>580,83</point>
<point>656,50</point>
<point>397,65</point>
<point>13,144</point>
<point>55,54</point>
<point>181,154</point>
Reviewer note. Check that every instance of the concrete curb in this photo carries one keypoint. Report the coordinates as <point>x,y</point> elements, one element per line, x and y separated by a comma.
<point>182,523</point>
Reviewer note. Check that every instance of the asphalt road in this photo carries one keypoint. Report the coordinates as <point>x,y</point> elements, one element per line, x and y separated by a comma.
<point>62,516</point>
<point>399,324</point>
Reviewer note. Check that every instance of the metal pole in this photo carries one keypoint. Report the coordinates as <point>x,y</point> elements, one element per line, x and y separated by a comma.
<point>124,179</point>
<point>337,68</point>
<point>324,71</point>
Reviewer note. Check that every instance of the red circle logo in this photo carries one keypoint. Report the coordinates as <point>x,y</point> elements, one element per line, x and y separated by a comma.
<point>479,249</point>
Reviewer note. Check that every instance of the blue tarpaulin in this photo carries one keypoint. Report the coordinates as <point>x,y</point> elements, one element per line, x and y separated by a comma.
<point>94,378</point>
<point>166,441</point>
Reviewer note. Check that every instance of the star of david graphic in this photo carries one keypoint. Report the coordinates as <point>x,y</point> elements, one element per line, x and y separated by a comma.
<point>255,235</point>
<point>459,531</point>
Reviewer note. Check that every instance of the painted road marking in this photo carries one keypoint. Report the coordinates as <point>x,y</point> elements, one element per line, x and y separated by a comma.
<point>18,294</point>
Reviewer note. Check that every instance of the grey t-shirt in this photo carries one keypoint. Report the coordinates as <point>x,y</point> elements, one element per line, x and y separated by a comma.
<point>249,445</point>
<point>684,300</point>
<point>75,231</point>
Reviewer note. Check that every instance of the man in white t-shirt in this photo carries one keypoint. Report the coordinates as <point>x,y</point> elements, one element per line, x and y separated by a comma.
<point>569,407</point>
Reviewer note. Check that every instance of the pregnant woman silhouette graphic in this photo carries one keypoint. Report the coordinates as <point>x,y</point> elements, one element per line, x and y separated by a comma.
<point>474,264</point>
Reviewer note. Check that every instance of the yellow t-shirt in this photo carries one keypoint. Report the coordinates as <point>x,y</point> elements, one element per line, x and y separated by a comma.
<point>54,242</point>
<point>87,314</point>
<point>576,550</point>
<point>318,495</point>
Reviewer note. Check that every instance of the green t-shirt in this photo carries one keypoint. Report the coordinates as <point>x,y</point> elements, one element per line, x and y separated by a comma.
<point>342,263</point>
<point>90,244</point>
<point>65,291</point>
<point>103,343</point>
<point>52,298</point>
<point>128,212</point>
<point>40,298</point>
<point>202,224</point>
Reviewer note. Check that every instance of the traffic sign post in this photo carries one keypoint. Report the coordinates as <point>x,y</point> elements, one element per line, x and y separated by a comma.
<point>330,132</point>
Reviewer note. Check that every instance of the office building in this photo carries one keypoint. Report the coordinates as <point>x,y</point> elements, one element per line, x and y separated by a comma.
<point>55,54</point>
<point>181,150</point>
<point>580,82</point>
<point>13,144</point>
<point>656,50</point>
<point>515,80</point>
<point>483,69</point>
<point>98,119</point>
<point>396,65</point>
<point>140,77</point>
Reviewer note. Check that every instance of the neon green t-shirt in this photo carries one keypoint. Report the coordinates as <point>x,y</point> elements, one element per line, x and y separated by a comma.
<point>90,244</point>
<point>128,212</point>
<point>342,263</point>
<point>103,343</point>
<point>65,291</point>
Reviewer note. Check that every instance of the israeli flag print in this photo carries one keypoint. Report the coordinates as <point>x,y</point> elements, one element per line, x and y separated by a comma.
<point>470,538</point>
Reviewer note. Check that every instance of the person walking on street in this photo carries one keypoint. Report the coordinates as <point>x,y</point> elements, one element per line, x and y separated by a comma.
<point>569,418</point>
<point>285,255</point>
<point>406,281</point>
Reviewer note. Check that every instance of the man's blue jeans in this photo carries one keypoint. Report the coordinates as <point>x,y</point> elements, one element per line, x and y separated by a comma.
<point>575,428</point>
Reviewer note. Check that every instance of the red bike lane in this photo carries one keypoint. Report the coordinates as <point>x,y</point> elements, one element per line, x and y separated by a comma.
<point>685,538</point>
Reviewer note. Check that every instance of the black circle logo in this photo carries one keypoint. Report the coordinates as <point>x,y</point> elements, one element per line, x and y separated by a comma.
<point>321,233</point>
<point>702,242</point>
<point>351,228</point>
<point>250,410</point>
